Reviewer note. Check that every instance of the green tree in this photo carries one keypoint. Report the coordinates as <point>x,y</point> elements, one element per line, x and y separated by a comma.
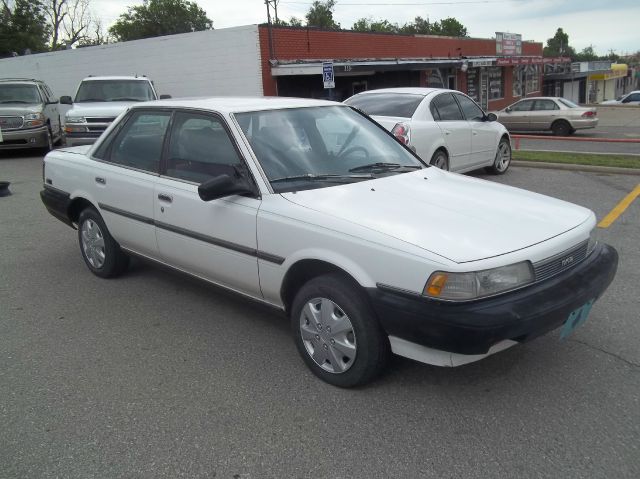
<point>586,55</point>
<point>558,46</point>
<point>419,26</point>
<point>23,26</point>
<point>368,25</point>
<point>160,17</point>
<point>321,15</point>
<point>450,27</point>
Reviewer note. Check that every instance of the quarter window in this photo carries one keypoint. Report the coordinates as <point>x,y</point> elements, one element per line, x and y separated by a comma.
<point>447,108</point>
<point>139,143</point>
<point>472,112</point>
<point>200,148</point>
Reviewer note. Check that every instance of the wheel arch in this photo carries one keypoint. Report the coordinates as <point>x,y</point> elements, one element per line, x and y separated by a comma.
<point>303,271</point>
<point>76,206</point>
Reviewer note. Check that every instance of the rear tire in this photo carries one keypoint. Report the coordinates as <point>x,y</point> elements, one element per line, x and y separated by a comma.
<point>337,333</point>
<point>561,128</point>
<point>99,250</point>
<point>440,160</point>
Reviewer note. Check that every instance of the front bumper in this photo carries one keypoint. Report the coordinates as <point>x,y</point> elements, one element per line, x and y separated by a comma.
<point>474,327</point>
<point>81,138</point>
<point>25,138</point>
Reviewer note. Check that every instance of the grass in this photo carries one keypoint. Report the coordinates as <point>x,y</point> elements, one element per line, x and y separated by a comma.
<point>620,161</point>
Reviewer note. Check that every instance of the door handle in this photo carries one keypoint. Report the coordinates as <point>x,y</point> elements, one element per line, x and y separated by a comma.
<point>447,132</point>
<point>165,198</point>
<point>475,133</point>
<point>101,180</point>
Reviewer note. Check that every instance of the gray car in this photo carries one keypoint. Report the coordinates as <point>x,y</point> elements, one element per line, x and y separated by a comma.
<point>29,116</point>
<point>560,116</point>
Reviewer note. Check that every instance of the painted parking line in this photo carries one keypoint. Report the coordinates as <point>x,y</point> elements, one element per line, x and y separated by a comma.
<point>619,208</point>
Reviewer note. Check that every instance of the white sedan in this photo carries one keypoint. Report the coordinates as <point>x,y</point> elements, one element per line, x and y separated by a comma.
<point>445,127</point>
<point>631,98</point>
<point>314,209</point>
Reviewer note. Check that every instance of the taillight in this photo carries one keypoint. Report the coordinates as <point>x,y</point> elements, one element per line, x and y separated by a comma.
<point>589,114</point>
<point>401,132</point>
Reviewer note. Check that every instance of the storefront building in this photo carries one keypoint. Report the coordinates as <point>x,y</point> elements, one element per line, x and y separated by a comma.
<point>292,64</point>
<point>608,85</point>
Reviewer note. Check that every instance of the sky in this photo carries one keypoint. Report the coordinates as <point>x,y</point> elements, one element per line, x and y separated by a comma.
<point>605,25</point>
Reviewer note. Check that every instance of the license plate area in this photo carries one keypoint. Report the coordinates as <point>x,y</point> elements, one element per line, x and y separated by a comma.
<point>576,318</point>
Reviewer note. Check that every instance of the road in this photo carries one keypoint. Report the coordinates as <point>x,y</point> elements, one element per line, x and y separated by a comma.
<point>155,375</point>
<point>614,122</point>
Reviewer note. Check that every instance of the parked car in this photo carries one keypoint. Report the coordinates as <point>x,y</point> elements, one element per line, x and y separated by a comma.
<point>98,101</point>
<point>631,98</point>
<point>311,207</point>
<point>445,127</point>
<point>555,114</point>
<point>29,116</point>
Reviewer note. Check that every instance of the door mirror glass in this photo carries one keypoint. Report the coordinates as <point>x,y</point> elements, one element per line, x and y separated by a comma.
<point>508,109</point>
<point>222,186</point>
<point>491,117</point>
<point>165,97</point>
<point>66,100</point>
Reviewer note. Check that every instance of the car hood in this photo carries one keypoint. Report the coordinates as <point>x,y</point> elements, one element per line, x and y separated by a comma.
<point>19,109</point>
<point>457,217</point>
<point>100,108</point>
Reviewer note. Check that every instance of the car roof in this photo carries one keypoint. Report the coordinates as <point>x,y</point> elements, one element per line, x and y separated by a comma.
<point>20,80</point>
<point>407,90</point>
<point>116,77</point>
<point>237,104</point>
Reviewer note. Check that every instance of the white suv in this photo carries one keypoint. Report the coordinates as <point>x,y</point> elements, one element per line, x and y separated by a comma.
<point>314,209</point>
<point>98,101</point>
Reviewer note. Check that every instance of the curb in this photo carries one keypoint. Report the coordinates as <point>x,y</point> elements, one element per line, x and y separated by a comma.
<point>573,167</point>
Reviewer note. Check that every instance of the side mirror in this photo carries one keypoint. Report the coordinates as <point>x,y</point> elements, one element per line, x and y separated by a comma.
<point>222,186</point>
<point>66,100</point>
<point>491,117</point>
<point>165,97</point>
<point>508,109</point>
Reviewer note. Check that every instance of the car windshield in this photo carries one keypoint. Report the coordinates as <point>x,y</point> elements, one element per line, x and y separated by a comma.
<point>114,90</point>
<point>568,103</point>
<point>387,104</point>
<point>17,93</point>
<point>305,148</point>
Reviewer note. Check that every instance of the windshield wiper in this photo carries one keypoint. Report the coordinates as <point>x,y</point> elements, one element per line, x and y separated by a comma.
<point>17,101</point>
<point>323,177</point>
<point>383,166</point>
<point>125,99</point>
<point>90,99</point>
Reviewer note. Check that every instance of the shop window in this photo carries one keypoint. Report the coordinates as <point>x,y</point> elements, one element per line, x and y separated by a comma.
<point>496,83</point>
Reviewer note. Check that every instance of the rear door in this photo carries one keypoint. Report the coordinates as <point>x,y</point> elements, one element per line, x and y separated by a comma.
<point>543,114</point>
<point>455,130</point>
<point>124,178</point>
<point>215,240</point>
<point>518,117</point>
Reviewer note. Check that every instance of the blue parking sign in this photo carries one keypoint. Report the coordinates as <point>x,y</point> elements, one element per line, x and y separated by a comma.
<point>327,75</point>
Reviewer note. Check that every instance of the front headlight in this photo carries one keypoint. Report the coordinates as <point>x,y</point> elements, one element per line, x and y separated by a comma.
<point>34,119</point>
<point>591,245</point>
<point>478,284</point>
<point>75,119</point>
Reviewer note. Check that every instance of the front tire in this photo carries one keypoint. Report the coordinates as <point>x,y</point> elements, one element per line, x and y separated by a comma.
<point>337,333</point>
<point>100,252</point>
<point>502,159</point>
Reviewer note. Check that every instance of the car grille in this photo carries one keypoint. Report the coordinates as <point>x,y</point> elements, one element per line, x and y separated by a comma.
<point>100,119</point>
<point>551,266</point>
<point>100,128</point>
<point>11,122</point>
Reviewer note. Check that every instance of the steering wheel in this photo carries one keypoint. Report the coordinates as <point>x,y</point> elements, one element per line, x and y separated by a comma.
<point>353,149</point>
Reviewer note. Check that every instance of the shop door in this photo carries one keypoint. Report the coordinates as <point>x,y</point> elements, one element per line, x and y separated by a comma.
<point>484,89</point>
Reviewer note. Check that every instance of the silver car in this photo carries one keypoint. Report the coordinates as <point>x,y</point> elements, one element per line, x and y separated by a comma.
<point>560,116</point>
<point>29,116</point>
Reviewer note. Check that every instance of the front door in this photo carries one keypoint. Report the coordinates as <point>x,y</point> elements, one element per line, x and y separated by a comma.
<point>215,240</point>
<point>484,139</point>
<point>517,118</point>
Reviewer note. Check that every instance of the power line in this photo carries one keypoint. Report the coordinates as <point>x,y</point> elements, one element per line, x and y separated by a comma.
<point>369,4</point>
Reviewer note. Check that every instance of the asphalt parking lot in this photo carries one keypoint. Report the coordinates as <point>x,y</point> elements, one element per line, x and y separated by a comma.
<point>155,375</point>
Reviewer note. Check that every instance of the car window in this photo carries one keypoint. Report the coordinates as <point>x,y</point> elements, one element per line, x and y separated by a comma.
<point>632,97</point>
<point>139,143</point>
<point>470,109</point>
<point>524,105</point>
<point>200,148</point>
<point>295,146</point>
<point>545,105</point>
<point>568,103</point>
<point>114,90</point>
<point>447,107</point>
<point>387,104</point>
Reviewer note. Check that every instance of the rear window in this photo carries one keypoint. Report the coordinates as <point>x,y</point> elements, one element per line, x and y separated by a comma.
<point>568,103</point>
<point>387,104</point>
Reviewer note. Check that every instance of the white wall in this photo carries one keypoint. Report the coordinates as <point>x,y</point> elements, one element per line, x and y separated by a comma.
<point>212,62</point>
